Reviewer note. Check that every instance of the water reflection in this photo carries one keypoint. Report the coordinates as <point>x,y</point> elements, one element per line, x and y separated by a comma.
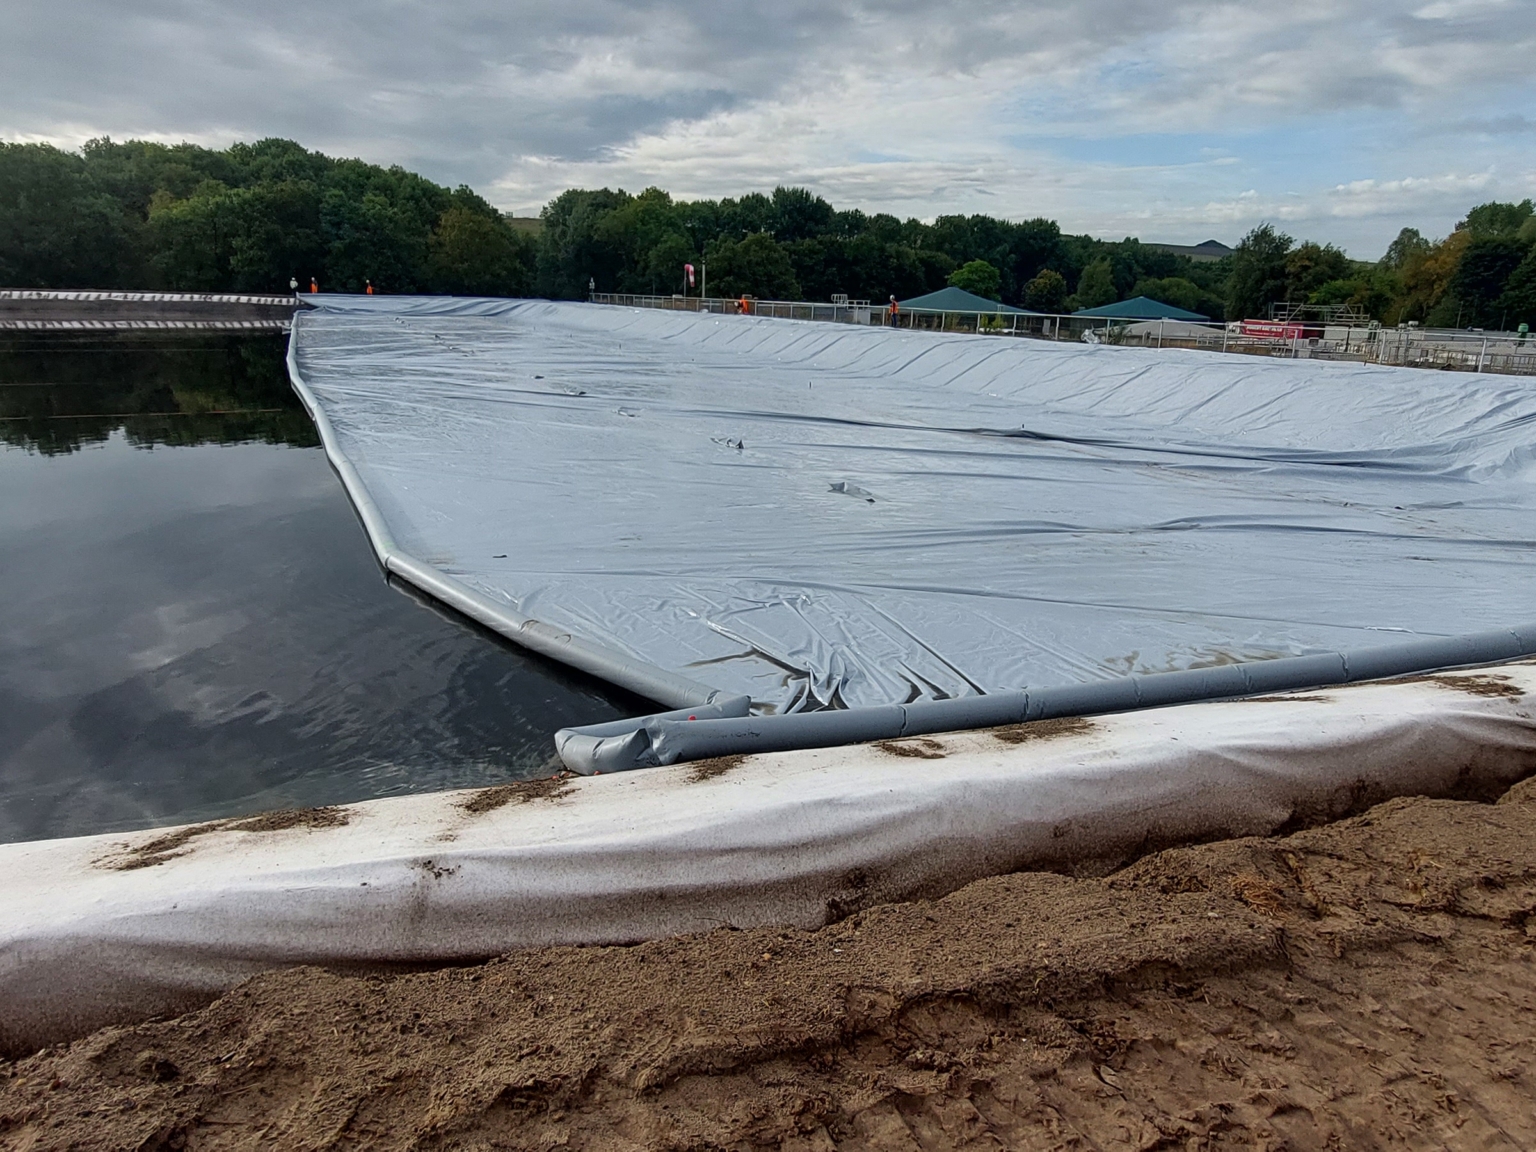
<point>61,392</point>
<point>200,630</point>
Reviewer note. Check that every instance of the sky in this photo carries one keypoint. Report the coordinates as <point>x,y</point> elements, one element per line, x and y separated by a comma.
<point>1339,121</point>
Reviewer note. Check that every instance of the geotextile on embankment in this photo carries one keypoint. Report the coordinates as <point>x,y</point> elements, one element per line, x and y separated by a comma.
<point>1363,984</point>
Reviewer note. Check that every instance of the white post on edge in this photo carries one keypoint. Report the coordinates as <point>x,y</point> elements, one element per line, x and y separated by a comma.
<point>1482,354</point>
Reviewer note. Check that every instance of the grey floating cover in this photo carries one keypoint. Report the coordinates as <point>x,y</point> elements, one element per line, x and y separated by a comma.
<point>818,515</point>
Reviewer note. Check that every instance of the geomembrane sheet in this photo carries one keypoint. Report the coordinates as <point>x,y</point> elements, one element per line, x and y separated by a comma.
<point>830,515</point>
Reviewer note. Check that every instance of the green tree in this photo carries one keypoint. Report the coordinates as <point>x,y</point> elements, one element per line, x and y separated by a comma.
<point>1179,292</point>
<point>936,267</point>
<point>1482,276</point>
<point>371,238</point>
<point>193,238</point>
<point>1312,265</point>
<point>1426,279</point>
<point>798,214</point>
<point>1096,286</point>
<point>1495,219</point>
<point>648,237</point>
<point>1409,245</point>
<point>1517,303</point>
<point>1047,292</point>
<point>1259,276</point>
<point>1371,290</point>
<point>979,277</point>
<point>474,253</point>
<point>58,227</point>
<point>573,248</point>
<point>756,265</point>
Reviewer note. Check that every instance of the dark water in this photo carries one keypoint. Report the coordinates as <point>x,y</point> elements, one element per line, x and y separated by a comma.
<point>191,622</point>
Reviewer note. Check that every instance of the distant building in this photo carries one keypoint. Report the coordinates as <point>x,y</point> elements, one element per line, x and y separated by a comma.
<point>1200,253</point>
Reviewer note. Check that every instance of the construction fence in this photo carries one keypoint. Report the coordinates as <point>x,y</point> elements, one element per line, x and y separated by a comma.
<point>1512,353</point>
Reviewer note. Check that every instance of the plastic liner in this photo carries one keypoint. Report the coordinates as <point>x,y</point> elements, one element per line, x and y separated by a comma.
<point>616,667</point>
<point>110,929</point>
<point>822,517</point>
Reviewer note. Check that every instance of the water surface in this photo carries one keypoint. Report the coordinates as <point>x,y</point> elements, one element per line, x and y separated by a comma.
<point>192,624</point>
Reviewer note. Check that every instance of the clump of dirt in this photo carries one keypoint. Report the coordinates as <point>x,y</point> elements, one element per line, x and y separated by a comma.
<point>167,847</point>
<point>160,849</point>
<point>918,748</point>
<point>519,792</point>
<point>1488,685</point>
<point>1480,684</point>
<point>292,818</point>
<point>1363,984</point>
<point>703,770</point>
<point>1043,729</point>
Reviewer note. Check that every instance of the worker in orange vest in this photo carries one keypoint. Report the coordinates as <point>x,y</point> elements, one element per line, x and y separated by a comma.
<point>368,287</point>
<point>895,311</point>
<point>744,306</point>
<point>314,285</point>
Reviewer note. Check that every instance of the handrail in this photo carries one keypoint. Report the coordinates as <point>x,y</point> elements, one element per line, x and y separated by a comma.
<point>1512,353</point>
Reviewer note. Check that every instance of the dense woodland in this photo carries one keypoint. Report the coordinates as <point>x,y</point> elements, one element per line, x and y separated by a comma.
<point>247,218</point>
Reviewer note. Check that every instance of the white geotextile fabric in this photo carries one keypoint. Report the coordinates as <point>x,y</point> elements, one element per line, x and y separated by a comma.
<point>815,514</point>
<point>782,838</point>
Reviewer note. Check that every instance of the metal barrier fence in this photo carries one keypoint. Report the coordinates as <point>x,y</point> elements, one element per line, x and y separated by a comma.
<point>71,310</point>
<point>1511,353</point>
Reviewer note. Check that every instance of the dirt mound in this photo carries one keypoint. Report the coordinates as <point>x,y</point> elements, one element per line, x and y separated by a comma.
<point>1367,984</point>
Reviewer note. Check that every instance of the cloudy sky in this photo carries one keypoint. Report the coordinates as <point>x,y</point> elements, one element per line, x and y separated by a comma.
<point>1340,120</point>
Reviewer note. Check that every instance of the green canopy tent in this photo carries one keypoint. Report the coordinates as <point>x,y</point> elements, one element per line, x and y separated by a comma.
<point>955,308</point>
<point>960,301</point>
<point>1140,308</point>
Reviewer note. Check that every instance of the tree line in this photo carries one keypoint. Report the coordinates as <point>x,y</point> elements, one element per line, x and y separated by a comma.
<point>249,218</point>
<point>252,216</point>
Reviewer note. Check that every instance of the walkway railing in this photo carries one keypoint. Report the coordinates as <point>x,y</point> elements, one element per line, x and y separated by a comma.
<point>1511,353</point>
<point>41,310</point>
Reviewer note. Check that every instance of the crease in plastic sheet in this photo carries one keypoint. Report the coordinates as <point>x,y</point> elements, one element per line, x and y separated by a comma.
<point>823,515</point>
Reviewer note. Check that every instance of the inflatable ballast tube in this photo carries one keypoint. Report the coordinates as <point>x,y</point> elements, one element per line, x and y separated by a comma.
<point>727,729</point>
<point>110,929</point>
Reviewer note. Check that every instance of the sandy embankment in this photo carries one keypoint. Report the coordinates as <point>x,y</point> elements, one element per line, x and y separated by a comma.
<point>1370,983</point>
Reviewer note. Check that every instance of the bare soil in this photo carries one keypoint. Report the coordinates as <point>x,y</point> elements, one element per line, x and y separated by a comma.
<point>1367,984</point>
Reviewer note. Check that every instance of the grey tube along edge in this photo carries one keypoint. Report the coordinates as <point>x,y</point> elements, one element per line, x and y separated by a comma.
<point>673,737</point>
<point>650,681</point>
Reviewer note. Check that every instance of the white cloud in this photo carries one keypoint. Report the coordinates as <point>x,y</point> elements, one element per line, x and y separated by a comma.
<point>915,107</point>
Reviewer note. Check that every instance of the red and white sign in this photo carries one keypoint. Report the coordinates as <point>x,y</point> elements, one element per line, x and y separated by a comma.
<point>688,268</point>
<point>1273,330</point>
